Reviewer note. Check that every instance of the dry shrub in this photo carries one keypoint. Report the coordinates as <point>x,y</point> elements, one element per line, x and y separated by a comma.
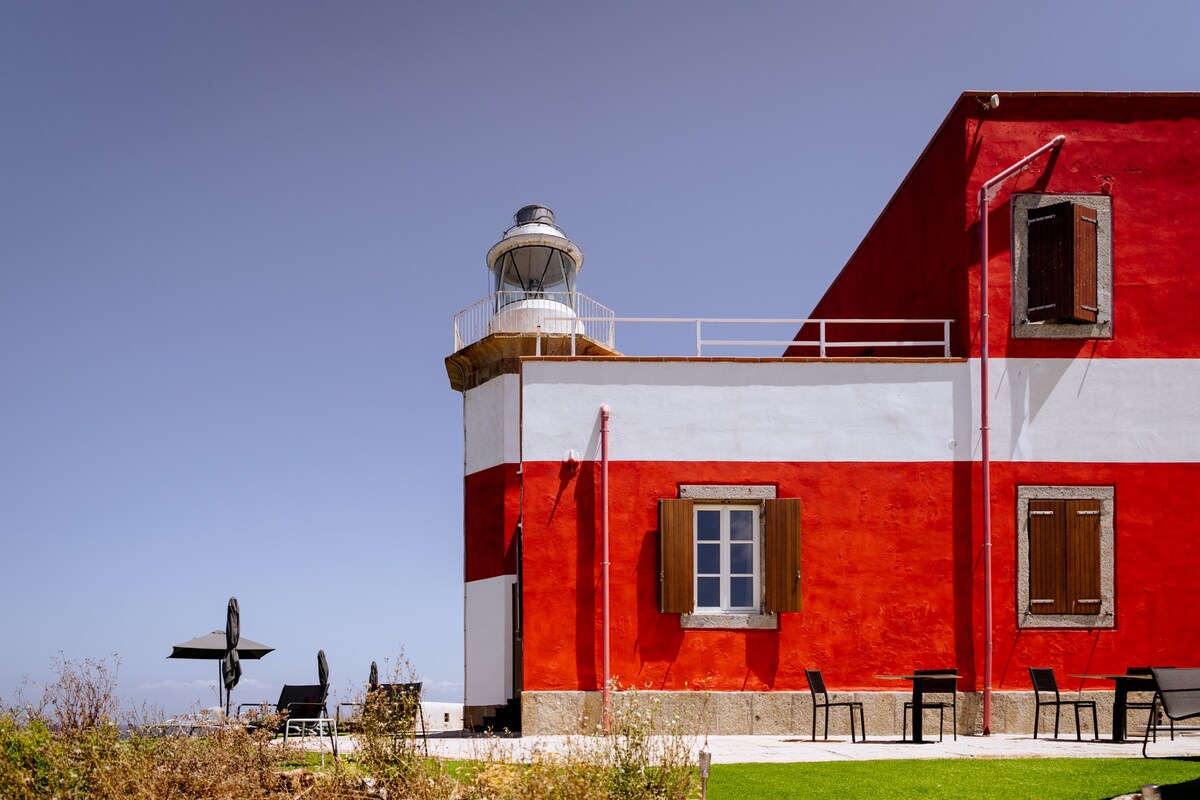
<point>630,763</point>
<point>71,748</point>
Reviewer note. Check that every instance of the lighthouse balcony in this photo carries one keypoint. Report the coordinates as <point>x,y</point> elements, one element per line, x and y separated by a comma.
<point>546,313</point>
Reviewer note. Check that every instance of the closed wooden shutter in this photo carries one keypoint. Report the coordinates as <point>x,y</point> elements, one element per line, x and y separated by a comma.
<point>677,556</point>
<point>782,551</point>
<point>1047,561</point>
<point>1082,521</point>
<point>1062,263</point>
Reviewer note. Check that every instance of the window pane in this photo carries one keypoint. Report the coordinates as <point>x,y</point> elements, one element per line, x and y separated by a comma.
<point>741,592</point>
<point>741,558</point>
<point>708,559</point>
<point>708,525</point>
<point>741,526</point>
<point>708,593</point>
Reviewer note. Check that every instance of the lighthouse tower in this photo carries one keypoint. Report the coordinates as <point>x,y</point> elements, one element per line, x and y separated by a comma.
<point>534,310</point>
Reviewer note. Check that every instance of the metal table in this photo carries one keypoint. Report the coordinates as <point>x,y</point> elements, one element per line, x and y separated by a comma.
<point>1120,697</point>
<point>918,698</point>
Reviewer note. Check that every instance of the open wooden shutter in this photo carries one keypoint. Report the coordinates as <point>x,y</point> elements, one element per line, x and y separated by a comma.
<point>782,546</point>
<point>1047,559</point>
<point>1062,263</point>
<point>1085,302</point>
<point>1082,556</point>
<point>677,556</point>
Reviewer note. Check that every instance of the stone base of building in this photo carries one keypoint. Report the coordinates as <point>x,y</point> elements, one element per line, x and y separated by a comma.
<point>791,713</point>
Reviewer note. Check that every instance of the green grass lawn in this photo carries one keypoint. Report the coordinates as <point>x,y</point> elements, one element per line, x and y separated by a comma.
<point>977,779</point>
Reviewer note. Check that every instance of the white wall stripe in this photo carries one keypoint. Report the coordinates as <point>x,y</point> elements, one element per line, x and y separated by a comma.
<point>492,421</point>
<point>1102,410</point>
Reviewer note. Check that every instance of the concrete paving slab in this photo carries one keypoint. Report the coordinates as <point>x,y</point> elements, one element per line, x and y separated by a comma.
<point>787,749</point>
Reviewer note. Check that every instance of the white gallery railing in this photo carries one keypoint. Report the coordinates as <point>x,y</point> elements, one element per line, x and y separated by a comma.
<point>822,343</point>
<point>575,314</point>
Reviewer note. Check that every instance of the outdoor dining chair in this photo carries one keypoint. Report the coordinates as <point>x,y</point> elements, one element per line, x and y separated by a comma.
<point>406,698</point>
<point>820,699</point>
<point>1151,706</point>
<point>302,712</point>
<point>935,686</point>
<point>1044,683</point>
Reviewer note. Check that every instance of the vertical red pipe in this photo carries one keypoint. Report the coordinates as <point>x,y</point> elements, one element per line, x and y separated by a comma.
<point>984,427</point>
<point>607,700</point>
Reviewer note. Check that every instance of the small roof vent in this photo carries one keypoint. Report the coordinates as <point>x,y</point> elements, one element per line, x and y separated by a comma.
<point>534,214</point>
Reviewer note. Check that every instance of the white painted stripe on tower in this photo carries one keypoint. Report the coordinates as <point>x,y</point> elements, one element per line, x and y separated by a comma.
<point>1068,410</point>
<point>745,411</point>
<point>492,420</point>
<point>1103,410</point>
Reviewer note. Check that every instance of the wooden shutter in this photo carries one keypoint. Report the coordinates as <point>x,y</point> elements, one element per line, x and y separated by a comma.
<point>1082,520</point>
<point>782,550</point>
<point>1085,301</point>
<point>1062,263</point>
<point>1047,559</point>
<point>677,557</point>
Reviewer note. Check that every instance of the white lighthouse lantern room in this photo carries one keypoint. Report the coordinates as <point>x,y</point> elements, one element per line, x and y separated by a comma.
<point>534,267</point>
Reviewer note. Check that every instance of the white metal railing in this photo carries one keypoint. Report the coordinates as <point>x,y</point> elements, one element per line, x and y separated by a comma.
<point>822,343</point>
<point>522,312</point>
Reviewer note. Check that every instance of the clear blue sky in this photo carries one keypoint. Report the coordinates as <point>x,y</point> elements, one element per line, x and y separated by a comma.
<point>233,237</point>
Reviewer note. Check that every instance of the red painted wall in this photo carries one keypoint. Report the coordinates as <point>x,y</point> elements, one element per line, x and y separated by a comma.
<point>491,514</point>
<point>889,572</point>
<point>921,257</point>
<point>1157,558</point>
<point>865,529</point>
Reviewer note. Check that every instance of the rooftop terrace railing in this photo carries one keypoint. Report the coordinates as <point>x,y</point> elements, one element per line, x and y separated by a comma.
<point>575,314</point>
<point>825,346</point>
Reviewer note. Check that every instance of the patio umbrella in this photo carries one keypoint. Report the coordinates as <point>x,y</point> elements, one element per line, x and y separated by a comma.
<point>231,665</point>
<point>215,646</point>
<point>322,669</point>
<point>373,679</point>
<point>211,647</point>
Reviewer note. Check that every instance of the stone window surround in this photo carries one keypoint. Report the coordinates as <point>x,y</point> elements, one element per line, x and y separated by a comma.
<point>1106,617</point>
<point>1102,328</point>
<point>731,493</point>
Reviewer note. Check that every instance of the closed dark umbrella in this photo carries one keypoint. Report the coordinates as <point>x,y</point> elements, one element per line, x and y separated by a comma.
<point>231,664</point>
<point>373,679</point>
<point>322,669</point>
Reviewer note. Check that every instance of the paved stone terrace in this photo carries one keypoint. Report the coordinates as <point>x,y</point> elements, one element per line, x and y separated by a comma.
<point>785,749</point>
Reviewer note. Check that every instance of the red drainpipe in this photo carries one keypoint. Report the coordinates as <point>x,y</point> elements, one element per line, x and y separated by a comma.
<point>984,428</point>
<point>604,556</point>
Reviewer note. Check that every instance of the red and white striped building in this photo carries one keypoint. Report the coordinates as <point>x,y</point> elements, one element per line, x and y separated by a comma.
<point>834,508</point>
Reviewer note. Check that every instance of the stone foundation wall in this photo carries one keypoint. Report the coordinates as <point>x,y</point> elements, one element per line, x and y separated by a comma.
<point>790,713</point>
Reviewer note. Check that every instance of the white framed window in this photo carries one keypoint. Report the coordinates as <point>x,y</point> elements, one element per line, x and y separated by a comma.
<point>728,556</point>
<point>718,544</point>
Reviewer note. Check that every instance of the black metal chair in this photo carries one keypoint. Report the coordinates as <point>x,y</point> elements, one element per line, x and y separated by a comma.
<point>816,687</point>
<point>1043,682</point>
<point>1178,692</point>
<point>403,708</point>
<point>1151,706</point>
<point>302,712</point>
<point>935,686</point>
